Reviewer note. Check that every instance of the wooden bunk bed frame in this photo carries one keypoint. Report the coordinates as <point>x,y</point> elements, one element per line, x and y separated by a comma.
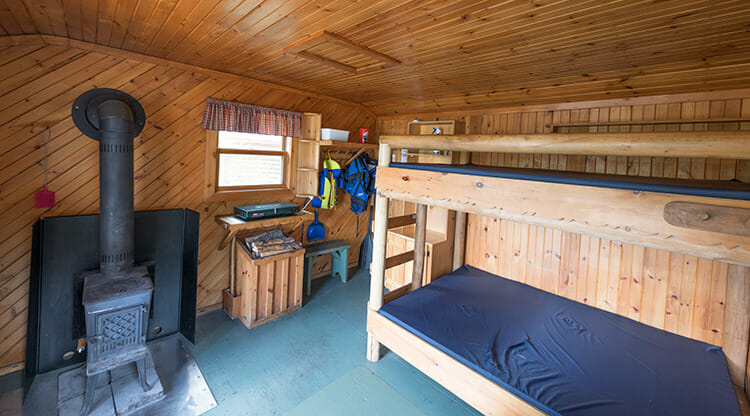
<point>642,218</point>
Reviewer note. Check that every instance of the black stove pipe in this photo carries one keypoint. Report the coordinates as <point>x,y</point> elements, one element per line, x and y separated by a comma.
<point>114,118</point>
<point>115,186</point>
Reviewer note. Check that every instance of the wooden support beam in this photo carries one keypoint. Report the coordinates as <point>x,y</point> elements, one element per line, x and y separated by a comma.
<point>396,293</point>
<point>399,259</point>
<point>737,322</point>
<point>722,144</point>
<point>638,218</point>
<point>300,48</point>
<point>459,233</point>
<point>395,222</point>
<point>325,61</point>
<point>459,240</point>
<point>377,268</point>
<point>420,231</point>
<point>374,349</point>
<point>364,50</point>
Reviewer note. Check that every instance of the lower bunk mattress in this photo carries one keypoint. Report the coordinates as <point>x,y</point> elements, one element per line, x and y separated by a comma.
<point>561,356</point>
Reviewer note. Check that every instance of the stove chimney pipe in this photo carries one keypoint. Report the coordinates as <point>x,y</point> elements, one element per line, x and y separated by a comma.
<point>113,118</point>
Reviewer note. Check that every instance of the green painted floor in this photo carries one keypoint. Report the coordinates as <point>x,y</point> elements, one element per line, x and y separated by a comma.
<point>312,362</point>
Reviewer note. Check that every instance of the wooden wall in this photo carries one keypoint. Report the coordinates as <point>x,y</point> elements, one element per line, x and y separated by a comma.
<point>38,85</point>
<point>679,293</point>
<point>541,119</point>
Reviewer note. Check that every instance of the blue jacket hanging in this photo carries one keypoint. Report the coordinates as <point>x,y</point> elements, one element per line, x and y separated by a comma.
<point>359,181</point>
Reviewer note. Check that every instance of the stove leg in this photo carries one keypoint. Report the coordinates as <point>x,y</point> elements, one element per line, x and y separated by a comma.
<point>141,365</point>
<point>88,395</point>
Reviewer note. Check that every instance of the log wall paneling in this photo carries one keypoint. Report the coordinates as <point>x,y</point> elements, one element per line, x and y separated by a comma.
<point>453,54</point>
<point>38,86</point>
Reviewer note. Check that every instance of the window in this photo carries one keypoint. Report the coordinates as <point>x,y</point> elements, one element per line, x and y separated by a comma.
<point>247,161</point>
<point>253,167</point>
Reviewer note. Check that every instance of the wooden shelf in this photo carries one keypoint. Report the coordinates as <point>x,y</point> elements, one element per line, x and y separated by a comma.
<point>348,145</point>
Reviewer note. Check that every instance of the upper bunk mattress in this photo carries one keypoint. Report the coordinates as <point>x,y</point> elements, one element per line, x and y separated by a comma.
<point>564,357</point>
<point>707,188</point>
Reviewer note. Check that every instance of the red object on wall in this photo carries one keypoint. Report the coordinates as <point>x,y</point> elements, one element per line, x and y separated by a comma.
<point>44,199</point>
<point>363,135</point>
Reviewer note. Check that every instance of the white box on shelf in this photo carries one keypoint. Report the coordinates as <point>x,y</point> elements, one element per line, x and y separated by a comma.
<point>333,134</point>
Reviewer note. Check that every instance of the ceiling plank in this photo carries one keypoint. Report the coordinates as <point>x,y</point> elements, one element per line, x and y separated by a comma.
<point>452,54</point>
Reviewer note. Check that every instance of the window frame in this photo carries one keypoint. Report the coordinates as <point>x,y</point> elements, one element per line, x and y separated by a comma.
<point>213,192</point>
<point>284,167</point>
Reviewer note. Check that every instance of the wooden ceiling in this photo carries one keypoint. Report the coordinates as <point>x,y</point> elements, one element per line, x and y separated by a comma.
<point>454,54</point>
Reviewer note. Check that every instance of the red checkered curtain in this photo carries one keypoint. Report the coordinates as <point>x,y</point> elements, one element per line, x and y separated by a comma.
<point>246,118</point>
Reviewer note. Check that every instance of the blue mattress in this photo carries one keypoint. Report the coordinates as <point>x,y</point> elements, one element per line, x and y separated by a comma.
<point>708,188</point>
<point>564,357</point>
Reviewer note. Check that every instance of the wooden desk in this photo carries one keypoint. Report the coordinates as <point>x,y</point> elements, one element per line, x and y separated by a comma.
<point>234,225</point>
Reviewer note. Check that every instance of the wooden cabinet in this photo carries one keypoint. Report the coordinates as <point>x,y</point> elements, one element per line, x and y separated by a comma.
<point>268,288</point>
<point>307,149</point>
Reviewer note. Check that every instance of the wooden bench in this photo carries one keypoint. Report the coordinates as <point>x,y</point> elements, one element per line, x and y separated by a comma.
<point>339,252</point>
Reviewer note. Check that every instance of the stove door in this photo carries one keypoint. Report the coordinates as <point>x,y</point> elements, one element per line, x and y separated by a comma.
<point>116,331</point>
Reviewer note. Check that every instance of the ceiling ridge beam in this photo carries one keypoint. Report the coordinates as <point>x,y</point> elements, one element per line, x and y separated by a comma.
<point>15,40</point>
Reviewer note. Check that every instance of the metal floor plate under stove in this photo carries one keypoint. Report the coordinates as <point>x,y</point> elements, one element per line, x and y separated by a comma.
<point>185,389</point>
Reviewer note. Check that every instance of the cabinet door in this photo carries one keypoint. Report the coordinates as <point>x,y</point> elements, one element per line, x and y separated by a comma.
<point>308,156</point>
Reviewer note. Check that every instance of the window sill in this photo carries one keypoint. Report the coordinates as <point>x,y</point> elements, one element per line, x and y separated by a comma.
<point>261,195</point>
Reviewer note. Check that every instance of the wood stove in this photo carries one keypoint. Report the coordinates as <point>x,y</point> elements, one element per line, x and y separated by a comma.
<point>117,297</point>
<point>117,310</point>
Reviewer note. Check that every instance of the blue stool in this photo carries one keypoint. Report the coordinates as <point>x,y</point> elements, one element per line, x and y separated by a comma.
<point>339,251</point>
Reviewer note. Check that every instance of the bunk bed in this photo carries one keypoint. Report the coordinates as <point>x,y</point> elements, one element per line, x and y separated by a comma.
<point>507,348</point>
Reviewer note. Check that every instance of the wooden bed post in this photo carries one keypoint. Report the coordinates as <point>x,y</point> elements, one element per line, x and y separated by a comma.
<point>459,240</point>
<point>420,231</point>
<point>459,234</point>
<point>377,269</point>
<point>737,325</point>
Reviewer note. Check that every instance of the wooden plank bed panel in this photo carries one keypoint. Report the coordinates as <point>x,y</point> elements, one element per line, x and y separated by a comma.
<point>638,218</point>
<point>470,386</point>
